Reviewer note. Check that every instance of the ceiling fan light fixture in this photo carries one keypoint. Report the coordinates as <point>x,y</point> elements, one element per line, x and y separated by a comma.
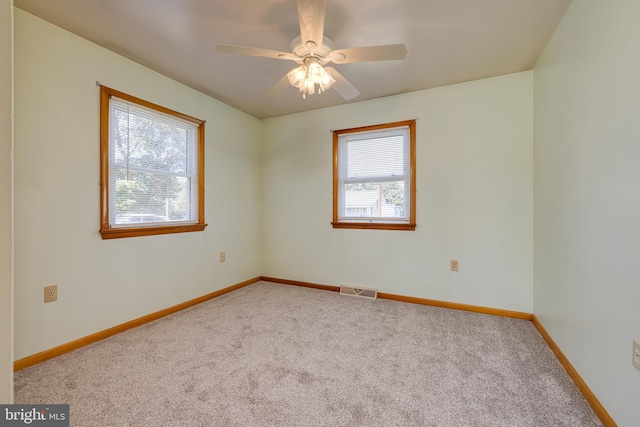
<point>326,81</point>
<point>297,75</point>
<point>309,88</point>
<point>308,75</point>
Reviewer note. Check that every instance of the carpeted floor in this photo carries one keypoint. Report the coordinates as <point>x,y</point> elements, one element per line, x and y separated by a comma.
<point>278,355</point>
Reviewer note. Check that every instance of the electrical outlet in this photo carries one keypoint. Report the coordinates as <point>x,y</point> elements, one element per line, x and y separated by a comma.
<point>223,256</point>
<point>51,293</point>
<point>454,265</point>
<point>636,354</point>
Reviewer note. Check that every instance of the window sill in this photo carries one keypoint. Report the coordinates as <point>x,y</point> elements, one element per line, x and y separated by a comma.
<point>374,226</point>
<point>117,233</point>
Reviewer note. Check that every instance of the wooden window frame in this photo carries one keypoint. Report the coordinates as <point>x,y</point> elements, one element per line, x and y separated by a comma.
<point>376,224</point>
<point>106,230</point>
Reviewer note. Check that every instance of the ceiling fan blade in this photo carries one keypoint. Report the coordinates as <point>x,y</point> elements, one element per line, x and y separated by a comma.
<point>368,53</point>
<point>256,51</point>
<point>342,85</point>
<point>311,17</point>
<point>279,87</point>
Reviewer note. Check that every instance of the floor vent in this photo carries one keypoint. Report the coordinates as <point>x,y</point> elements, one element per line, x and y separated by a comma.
<point>359,292</point>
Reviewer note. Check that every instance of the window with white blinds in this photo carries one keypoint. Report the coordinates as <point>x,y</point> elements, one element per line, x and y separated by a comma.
<point>151,177</point>
<point>374,177</point>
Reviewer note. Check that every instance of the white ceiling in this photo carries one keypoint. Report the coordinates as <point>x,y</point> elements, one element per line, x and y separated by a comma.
<point>449,41</point>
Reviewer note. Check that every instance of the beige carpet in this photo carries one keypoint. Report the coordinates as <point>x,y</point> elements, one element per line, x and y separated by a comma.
<point>277,355</point>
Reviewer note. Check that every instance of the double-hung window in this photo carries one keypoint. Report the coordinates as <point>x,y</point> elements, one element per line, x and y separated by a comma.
<point>152,168</point>
<point>374,177</point>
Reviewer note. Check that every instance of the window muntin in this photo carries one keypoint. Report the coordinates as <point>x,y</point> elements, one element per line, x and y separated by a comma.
<point>152,164</point>
<point>374,177</point>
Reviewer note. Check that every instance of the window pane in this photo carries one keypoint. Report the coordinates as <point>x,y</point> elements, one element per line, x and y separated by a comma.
<point>381,200</point>
<point>382,156</point>
<point>148,142</point>
<point>147,197</point>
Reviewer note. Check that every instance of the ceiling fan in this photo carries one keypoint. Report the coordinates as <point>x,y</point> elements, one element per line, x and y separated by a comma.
<point>312,51</point>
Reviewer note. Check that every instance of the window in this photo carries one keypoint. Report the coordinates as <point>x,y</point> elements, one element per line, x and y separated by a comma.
<point>151,168</point>
<point>374,179</point>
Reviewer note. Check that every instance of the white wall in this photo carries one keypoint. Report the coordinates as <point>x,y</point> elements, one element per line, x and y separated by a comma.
<point>103,283</point>
<point>587,208</point>
<point>474,197</point>
<point>6,207</point>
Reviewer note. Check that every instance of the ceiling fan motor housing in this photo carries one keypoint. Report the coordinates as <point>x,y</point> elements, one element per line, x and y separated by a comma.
<point>310,49</point>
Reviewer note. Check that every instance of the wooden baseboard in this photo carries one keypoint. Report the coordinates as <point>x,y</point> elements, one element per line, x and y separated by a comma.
<point>413,300</point>
<point>303,284</point>
<point>84,341</point>
<point>457,306</point>
<point>591,398</point>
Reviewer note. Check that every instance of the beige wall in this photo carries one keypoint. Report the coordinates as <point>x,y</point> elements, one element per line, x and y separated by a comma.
<point>474,197</point>
<point>102,283</point>
<point>587,208</point>
<point>6,204</point>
